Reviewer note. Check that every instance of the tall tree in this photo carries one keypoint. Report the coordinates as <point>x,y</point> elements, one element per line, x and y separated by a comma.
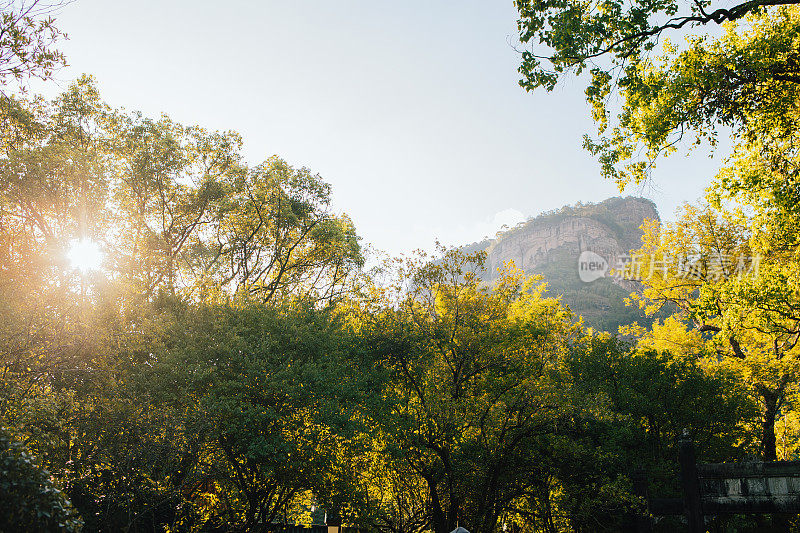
<point>168,181</point>
<point>167,204</point>
<point>276,236</point>
<point>476,380</point>
<point>743,302</point>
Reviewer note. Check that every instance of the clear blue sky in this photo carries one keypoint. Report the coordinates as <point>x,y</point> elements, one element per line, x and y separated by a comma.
<point>411,110</point>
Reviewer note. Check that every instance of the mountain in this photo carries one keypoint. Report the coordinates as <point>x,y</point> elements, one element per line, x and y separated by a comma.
<point>552,244</point>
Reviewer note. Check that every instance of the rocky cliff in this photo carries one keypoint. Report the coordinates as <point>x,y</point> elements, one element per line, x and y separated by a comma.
<point>609,228</point>
<point>551,244</point>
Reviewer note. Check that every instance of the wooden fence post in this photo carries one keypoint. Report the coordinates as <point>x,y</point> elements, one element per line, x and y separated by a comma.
<point>690,483</point>
<point>333,521</point>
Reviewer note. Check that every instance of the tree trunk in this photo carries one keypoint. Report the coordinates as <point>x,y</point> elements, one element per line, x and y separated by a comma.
<point>768,447</point>
<point>437,515</point>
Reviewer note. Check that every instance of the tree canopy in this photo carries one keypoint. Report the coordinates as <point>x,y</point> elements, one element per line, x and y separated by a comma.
<point>745,79</point>
<point>190,342</point>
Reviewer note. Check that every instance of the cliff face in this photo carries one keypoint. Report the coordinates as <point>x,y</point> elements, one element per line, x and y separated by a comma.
<point>610,228</point>
<point>552,243</point>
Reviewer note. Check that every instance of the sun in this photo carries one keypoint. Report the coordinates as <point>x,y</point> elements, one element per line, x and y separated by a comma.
<point>85,255</point>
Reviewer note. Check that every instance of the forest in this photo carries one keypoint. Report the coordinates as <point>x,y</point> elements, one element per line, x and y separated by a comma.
<point>193,343</point>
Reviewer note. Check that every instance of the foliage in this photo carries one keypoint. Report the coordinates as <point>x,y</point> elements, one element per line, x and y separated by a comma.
<point>31,501</point>
<point>631,408</point>
<point>473,387</point>
<point>728,268</point>
<point>168,205</point>
<point>743,302</point>
<point>498,409</point>
<point>745,80</point>
<point>28,36</point>
<point>257,393</point>
<point>230,367</point>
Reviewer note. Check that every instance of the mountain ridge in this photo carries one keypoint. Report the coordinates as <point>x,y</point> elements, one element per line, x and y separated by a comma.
<point>551,243</point>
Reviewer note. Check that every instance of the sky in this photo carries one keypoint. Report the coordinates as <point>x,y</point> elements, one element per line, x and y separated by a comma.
<point>411,110</point>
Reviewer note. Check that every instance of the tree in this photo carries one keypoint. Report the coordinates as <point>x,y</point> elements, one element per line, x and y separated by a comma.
<point>168,204</point>
<point>275,236</point>
<point>174,207</point>
<point>476,381</point>
<point>53,190</point>
<point>630,408</point>
<point>498,411</point>
<point>169,180</point>
<point>744,303</point>
<point>745,79</point>
<point>571,35</point>
<point>28,36</point>
<point>257,397</point>
<point>30,499</point>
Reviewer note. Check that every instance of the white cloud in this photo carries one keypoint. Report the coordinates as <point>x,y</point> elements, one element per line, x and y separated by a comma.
<point>507,218</point>
<point>462,234</point>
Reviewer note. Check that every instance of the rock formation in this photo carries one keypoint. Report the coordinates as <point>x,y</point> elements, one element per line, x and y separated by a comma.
<point>551,244</point>
<point>610,228</point>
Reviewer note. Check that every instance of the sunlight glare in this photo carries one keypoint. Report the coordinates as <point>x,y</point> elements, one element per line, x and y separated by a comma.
<point>85,255</point>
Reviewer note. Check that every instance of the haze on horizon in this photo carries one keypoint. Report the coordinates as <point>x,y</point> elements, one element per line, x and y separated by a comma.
<point>411,111</point>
